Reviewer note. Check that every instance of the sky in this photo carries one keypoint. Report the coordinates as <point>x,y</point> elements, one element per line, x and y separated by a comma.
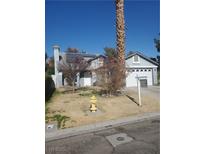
<point>90,25</point>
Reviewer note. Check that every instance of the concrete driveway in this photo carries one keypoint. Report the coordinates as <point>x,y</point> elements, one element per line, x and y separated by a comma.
<point>151,91</point>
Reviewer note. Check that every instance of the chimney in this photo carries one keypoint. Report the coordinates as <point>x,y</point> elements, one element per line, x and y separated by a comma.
<point>56,50</point>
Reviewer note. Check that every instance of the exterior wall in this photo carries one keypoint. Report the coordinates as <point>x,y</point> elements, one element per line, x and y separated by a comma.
<point>65,82</point>
<point>56,50</point>
<point>154,76</point>
<point>78,80</point>
<point>88,58</point>
<point>58,80</point>
<point>96,63</point>
<point>58,77</point>
<point>142,62</point>
<point>63,55</point>
<point>85,82</point>
<point>94,78</point>
<point>54,79</point>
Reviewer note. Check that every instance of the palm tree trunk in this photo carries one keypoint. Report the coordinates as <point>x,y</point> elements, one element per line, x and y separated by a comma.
<point>120,38</point>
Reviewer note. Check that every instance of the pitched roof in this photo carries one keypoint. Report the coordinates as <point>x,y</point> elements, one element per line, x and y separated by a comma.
<point>81,54</point>
<point>143,56</point>
<point>97,58</point>
<point>72,56</point>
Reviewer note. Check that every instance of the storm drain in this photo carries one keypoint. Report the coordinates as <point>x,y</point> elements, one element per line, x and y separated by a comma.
<point>118,139</point>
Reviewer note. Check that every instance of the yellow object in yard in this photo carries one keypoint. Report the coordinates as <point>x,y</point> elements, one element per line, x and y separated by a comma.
<point>93,107</point>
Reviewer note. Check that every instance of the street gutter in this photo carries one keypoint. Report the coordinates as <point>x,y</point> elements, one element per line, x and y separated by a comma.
<point>64,133</point>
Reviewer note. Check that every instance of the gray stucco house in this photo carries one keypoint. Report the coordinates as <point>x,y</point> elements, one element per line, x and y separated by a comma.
<point>137,64</point>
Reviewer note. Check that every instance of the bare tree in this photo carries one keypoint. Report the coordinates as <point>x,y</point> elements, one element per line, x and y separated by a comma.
<point>109,73</point>
<point>71,67</point>
<point>109,76</point>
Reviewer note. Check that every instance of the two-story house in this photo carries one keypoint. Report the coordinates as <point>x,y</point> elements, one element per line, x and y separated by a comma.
<point>88,77</point>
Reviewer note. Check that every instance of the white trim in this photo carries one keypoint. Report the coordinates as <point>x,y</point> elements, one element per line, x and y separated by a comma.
<point>139,60</point>
<point>141,67</point>
<point>133,59</point>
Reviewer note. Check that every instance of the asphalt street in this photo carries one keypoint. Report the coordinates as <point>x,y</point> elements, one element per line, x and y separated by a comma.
<point>136,138</point>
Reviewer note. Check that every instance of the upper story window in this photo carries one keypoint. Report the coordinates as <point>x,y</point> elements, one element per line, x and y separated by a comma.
<point>136,59</point>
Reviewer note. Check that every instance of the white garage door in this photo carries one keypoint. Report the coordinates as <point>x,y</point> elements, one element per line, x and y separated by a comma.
<point>132,73</point>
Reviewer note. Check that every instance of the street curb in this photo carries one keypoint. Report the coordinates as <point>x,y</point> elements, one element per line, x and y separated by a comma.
<point>59,134</point>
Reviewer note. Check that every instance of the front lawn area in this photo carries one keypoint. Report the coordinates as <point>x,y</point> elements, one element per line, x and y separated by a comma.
<point>76,106</point>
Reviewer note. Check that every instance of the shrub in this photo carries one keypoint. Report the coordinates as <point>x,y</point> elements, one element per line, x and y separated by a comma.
<point>61,119</point>
<point>49,87</point>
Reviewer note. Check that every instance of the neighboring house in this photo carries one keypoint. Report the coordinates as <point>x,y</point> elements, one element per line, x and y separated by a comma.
<point>86,78</point>
<point>142,66</point>
<point>83,78</point>
<point>136,65</point>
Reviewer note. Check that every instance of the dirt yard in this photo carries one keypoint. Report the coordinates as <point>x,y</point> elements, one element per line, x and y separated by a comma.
<point>76,106</point>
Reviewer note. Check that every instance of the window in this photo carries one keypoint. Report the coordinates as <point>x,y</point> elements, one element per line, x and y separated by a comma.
<point>149,70</point>
<point>133,70</point>
<point>136,59</point>
<point>137,70</point>
<point>145,70</point>
<point>141,70</point>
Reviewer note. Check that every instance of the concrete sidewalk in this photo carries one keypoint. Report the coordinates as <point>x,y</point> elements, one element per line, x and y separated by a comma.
<point>64,133</point>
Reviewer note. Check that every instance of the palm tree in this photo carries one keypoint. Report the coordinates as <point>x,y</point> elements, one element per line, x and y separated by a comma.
<point>120,36</point>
